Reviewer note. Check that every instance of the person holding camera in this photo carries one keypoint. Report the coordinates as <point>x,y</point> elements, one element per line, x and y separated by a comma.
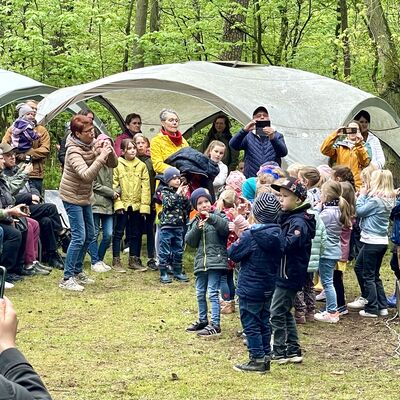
<point>346,147</point>
<point>260,141</point>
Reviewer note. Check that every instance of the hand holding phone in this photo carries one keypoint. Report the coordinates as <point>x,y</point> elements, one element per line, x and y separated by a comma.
<point>3,273</point>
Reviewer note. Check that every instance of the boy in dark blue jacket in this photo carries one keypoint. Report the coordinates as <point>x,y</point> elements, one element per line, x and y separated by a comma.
<point>259,251</point>
<point>298,229</point>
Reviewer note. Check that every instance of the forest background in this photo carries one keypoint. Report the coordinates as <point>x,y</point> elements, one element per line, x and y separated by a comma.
<point>68,42</point>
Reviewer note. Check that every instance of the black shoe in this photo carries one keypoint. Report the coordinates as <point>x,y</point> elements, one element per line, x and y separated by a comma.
<point>295,358</point>
<point>27,271</point>
<point>64,240</point>
<point>39,265</point>
<point>196,326</point>
<point>279,358</point>
<point>210,331</point>
<point>55,261</point>
<point>12,277</point>
<point>259,366</point>
<point>152,264</point>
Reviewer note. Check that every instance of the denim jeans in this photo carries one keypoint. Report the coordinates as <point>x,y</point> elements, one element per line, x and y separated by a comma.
<point>286,340</point>
<point>209,281</point>
<point>326,268</point>
<point>171,247</point>
<point>367,269</point>
<point>227,285</point>
<point>255,321</point>
<point>98,251</point>
<point>130,220</point>
<point>82,234</point>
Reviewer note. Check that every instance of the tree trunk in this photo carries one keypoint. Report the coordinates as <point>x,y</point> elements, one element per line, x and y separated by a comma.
<point>387,53</point>
<point>344,25</point>
<point>140,30</point>
<point>232,35</point>
<point>127,34</point>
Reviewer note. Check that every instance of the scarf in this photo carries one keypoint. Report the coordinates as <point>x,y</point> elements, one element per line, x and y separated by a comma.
<point>80,143</point>
<point>175,139</point>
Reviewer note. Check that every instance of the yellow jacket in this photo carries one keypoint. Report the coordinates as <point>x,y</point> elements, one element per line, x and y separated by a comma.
<point>131,180</point>
<point>356,158</point>
<point>161,148</point>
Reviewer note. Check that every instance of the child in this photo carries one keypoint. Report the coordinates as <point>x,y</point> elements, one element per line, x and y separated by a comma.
<point>268,174</point>
<point>373,207</point>
<point>395,238</point>
<point>235,181</point>
<point>103,213</point>
<point>143,154</point>
<point>131,181</point>
<point>22,134</point>
<point>215,151</point>
<point>298,229</point>
<point>208,232</point>
<point>259,251</point>
<point>335,215</point>
<point>175,211</point>
<point>240,167</point>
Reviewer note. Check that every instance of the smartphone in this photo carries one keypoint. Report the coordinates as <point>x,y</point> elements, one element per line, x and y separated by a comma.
<point>3,274</point>
<point>349,131</point>
<point>28,159</point>
<point>260,125</point>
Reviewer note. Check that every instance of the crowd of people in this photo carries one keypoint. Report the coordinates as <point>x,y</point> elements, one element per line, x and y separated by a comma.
<point>266,237</point>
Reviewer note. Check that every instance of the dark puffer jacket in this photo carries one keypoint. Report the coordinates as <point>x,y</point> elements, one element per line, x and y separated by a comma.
<point>259,251</point>
<point>258,150</point>
<point>210,242</point>
<point>298,229</point>
<point>175,208</point>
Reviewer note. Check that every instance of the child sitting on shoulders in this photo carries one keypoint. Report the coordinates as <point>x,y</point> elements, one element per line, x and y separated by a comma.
<point>173,217</point>
<point>298,228</point>
<point>23,134</point>
<point>208,232</point>
<point>259,250</point>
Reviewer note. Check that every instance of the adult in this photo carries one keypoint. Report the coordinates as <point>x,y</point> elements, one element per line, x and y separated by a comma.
<point>84,158</point>
<point>372,142</point>
<point>39,151</point>
<point>133,125</point>
<point>62,150</point>
<point>18,380</point>
<point>259,145</point>
<point>168,141</point>
<point>347,150</point>
<point>51,229</point>
<point>221,130</point>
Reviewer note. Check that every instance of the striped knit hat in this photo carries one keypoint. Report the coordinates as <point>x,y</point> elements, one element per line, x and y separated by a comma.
<point>266,207</point>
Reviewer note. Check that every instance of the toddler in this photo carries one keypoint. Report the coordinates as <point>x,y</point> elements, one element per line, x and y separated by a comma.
<point>23,134</point>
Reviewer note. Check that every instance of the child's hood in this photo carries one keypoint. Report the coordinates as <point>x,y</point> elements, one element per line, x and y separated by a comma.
<point>268,236</point>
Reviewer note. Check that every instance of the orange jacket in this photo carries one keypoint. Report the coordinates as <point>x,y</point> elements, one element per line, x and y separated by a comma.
<point>356,158</point>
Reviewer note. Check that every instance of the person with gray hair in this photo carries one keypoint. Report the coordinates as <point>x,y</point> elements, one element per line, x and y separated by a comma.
<point>168,141</point>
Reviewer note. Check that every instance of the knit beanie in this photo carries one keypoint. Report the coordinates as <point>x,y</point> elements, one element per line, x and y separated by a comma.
<point>265,208</point>
<point>171,173</point>
<point>235,180</point>
<point>249,188</point>
<point>196,194</point>
<point>24,109</point>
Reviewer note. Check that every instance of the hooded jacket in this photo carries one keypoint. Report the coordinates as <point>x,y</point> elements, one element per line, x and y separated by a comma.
<point>298,229</point>
<point>259,251</point>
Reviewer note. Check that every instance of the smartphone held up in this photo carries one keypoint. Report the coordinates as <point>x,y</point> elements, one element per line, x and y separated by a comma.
<point>260,125</point>
<point>3,273</point>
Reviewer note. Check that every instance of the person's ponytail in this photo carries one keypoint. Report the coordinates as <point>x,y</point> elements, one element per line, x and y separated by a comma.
<point>345,212</point>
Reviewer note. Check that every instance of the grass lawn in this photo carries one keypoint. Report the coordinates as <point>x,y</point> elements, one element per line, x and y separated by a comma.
<point>124,338</point>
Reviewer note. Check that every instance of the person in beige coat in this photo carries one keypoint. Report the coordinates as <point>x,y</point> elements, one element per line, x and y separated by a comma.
<point>83,160</point>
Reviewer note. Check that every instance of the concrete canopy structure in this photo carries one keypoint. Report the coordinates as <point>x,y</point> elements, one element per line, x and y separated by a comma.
<point>305,107</point>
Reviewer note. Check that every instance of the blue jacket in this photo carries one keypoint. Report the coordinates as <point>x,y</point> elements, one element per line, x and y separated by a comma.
<point>259,251</point>
<point>298,229</point>
<point>258,150</point>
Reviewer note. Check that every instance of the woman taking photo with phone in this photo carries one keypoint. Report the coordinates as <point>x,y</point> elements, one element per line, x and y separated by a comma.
<point>346,147</point>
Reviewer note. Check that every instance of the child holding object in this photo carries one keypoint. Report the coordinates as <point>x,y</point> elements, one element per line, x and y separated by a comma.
<point>259,250</point>
<point>208,232</point>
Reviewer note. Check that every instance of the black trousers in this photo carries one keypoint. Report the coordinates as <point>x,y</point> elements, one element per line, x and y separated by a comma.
<point>12,241</point>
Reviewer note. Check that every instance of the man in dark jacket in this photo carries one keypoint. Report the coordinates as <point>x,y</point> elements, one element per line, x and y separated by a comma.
<point>298,229</point>
<point>260,145</point>
<point>18,380</point>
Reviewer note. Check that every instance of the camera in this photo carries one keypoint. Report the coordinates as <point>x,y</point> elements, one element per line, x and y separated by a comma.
<point>349,131</point>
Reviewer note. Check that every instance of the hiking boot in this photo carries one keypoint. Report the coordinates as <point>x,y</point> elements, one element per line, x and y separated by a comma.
<point>152,264</point>
<point>135,263</point>
<point>196,326</point>
<point>257,365</point>
<point>366,314</point>
<point>325,316</point>
<point>299,317</point>
<point>99,267</point>
<point>358,303</point>
<point>164,277</point>
<point>227,307</point>
<point>83,279</point>
<point>210,331</point>
<point>71,284</point>
<point>117,265</point>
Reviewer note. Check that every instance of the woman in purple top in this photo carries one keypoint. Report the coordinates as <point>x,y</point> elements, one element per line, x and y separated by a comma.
<point>133,125</point>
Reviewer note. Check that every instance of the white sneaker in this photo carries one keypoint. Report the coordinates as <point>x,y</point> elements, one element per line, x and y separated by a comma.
<point>71,284</point>
<point>83,279</point>
<point>321,296</point>
<point>358,304</point>
<point>8,285</point>
<point>325,316</point>
<point>366,314</point>
<point>99,267</point>
<point>126,250</point>
<point>106,267</point>
<point>384,312</point>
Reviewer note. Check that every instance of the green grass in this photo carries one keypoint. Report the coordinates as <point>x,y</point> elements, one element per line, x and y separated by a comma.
<point>124,338</point>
